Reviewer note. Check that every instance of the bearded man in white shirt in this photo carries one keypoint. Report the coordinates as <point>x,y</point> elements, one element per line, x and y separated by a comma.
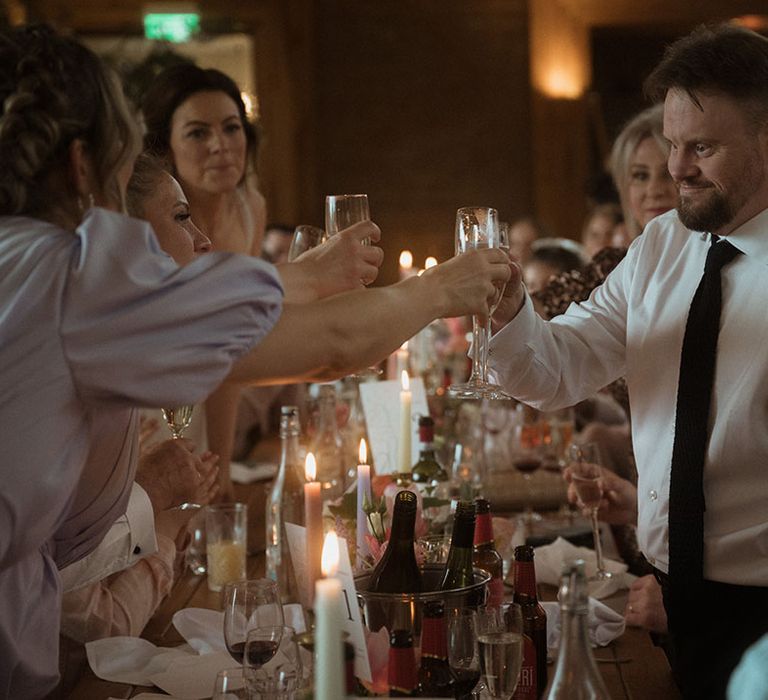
<point>714,84</point>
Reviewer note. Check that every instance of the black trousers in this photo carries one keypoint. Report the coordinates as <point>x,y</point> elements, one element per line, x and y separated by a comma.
<point>710,627</point>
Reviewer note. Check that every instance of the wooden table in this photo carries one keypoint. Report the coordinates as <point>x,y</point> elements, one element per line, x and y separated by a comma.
<point>632,667</point>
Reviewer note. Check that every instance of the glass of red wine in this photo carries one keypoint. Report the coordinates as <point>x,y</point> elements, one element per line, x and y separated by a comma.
<point>527,452</point>
<point>463,654</point>
<point>272,664</point>
<point>250,605</point>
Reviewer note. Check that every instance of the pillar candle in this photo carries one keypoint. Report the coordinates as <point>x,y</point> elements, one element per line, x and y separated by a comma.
<point>405,424</point>
<point>313,517</point>
<point>363,493</point>
<point>330,677</point>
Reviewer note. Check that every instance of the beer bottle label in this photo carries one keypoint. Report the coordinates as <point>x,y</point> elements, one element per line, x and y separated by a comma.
<point>526,688</point>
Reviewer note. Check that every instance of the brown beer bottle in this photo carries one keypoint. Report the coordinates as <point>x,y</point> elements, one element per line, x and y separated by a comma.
<point>435,678</point>
<point>401,670</point>
<point>533,676</point>
<point>485,555</point>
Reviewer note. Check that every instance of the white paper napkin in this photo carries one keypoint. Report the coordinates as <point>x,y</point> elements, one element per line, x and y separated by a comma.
<point>550,559</point>
<point>192,677</point>
<point>203,629</point>
<point>129,659</point>
<point>604,624</point>
<point>243,474</point>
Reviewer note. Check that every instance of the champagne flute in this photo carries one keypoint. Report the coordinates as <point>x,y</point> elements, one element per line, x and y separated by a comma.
<point>500,639</point>
<point>304,238</point>
<point>341,212</point>
<point>463,655</point>
<point>477,227</point>
<point>586,476</point>
<point>249,605</point>
<point>178,419</point>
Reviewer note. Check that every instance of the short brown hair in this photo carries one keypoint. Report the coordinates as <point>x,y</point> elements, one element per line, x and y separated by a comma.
<point>727,59</point>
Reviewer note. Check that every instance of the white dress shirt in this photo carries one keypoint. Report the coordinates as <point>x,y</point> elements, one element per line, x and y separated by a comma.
<point>131,538</point>
<point>633,326</point>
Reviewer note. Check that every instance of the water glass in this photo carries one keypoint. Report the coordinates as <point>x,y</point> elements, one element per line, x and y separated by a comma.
<point>230,685</point>
<point>305,237</point>
<point>500,640</point>
<point>226,527</point>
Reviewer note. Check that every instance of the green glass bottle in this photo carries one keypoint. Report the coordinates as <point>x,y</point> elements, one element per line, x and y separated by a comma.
<point>458,568</point>
<point>427,471</point>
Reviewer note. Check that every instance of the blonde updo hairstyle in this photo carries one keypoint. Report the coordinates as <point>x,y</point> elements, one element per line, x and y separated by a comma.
<point>647,124</point>
<point>53,91</point>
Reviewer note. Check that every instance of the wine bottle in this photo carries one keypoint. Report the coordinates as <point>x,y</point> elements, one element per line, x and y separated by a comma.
<point>427,471</point>
<point>435,679</point>
<point>533,676</point>
<point>328,446</point>
<point>285,504</point>
<point>576,674</point>
<point>401,670</point>
<point>458,568</point>
<point>485,555</point>
<point>397,570</point>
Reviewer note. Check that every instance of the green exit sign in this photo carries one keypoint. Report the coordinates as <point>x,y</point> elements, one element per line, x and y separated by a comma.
<point>171,26</point>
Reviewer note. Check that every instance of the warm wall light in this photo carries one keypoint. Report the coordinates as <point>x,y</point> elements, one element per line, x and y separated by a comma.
<point>757,23</point>
<point>560,53</point>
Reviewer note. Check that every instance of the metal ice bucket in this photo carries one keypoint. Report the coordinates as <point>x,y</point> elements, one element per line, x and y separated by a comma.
<point>403,610</point>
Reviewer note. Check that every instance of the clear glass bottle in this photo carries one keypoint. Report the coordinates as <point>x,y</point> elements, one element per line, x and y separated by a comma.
<point>328,445</point>
<point>285,504</point>
<point>576,676</point>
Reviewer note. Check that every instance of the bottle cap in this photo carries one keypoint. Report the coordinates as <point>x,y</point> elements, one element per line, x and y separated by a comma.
<point>401,639</point>
<point>524,552</point>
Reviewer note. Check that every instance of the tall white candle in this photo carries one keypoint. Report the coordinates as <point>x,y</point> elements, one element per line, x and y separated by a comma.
<point>330,678</point>
<point>405,424</point>
<point>313,517</point>
<point>363,493</point>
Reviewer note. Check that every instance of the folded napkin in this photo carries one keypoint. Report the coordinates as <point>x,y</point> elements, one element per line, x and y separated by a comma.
<point>551,558</point>
<point>192,677</point>
<point>203,629</point>
<point>604,624</point>
<point>129,659</point>
<point>245,474</point>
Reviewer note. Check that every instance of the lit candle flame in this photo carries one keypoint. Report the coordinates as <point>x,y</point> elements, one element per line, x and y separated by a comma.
<point>406,259</point>
<point>430,262</point>
<point>310,467</point>
<point>362,452</point>
<point>329,562</point>
<point>404,381</point>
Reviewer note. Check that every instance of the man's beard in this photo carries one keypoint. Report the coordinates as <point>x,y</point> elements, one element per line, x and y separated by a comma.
<point>707,216</point>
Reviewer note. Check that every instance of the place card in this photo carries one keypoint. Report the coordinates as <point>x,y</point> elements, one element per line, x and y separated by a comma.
<point>381,405</point>
<point>351,623</point>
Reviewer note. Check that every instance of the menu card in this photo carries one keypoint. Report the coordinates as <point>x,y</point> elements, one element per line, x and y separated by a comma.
<point>381,405</point>
<point>352,622</point>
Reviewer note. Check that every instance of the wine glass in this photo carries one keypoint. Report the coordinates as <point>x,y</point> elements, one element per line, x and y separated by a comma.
<point>463,655</point>
<point>305,237</point>
<point>341,212</point>
<point>344,210</point>
<point>249,605</point>
<point>178,419</point>
<point>586,477</point>
<point>500,640</point>
<point>477,227</point>
<point>261,645</point>
<point>527,450</point>
<point>272,664</point>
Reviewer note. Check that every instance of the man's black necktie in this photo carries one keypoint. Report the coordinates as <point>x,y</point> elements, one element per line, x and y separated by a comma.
<point>694,394</point>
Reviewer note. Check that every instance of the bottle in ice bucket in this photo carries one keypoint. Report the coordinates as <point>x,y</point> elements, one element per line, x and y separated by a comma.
<point>401,669</point>
<point>435,680</point>
<point>533,676</point>
<point>485,554</point>
<point>285,504</point>
<point>576,674</point>
<point>397,570</point>
<point>458,568</point>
